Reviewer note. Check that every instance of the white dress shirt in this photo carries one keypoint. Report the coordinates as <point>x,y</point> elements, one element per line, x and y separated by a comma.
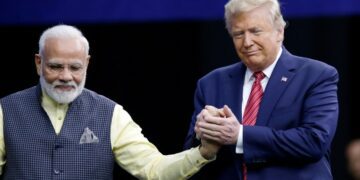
<point>248,82</point>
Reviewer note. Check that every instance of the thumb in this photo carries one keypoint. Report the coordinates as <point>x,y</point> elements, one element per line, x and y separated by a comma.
<point>228,112</point>
<point>212,110</point>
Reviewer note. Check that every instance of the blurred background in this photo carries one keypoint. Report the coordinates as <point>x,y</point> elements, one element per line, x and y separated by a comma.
<point>148,55</point>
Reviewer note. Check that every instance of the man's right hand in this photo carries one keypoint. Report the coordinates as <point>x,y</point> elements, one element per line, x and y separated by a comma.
<point>219,125</point>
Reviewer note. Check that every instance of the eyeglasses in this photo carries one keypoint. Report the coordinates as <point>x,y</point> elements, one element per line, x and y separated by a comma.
<point>75,68</point>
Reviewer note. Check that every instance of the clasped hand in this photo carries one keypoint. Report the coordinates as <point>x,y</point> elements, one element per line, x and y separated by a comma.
<point>217,125</point>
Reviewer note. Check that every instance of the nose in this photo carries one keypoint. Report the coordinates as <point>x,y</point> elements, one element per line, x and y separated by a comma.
<point>248,42</point>
<point>65,75</point>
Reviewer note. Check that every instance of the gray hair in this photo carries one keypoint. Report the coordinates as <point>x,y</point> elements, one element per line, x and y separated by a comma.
<point>234,7</point>
<point>62,31</point>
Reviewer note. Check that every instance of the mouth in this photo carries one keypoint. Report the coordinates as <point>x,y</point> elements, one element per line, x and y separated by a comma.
<point>64,88</point>
<point>250,53</point>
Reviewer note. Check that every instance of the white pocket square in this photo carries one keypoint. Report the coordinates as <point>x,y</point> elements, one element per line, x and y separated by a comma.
<point>88,137</point>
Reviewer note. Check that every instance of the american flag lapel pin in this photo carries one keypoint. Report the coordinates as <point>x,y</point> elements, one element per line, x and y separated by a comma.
<point>284,79</point>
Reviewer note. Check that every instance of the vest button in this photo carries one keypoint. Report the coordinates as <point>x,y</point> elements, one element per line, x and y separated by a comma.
<point>57,172</point>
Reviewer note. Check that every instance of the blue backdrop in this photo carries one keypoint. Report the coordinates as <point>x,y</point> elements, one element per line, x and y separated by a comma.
<point>109,11</point>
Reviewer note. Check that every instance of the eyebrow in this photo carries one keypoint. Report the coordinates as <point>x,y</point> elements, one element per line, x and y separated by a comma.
<point>55,61</point>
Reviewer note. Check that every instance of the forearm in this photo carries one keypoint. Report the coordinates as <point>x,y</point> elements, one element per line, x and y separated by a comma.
<point>145,162</point>
<point>134,153</point>
<point>292,145</point>
<point>181,165</point>
<point>2,144</point>
<point>2,156</point>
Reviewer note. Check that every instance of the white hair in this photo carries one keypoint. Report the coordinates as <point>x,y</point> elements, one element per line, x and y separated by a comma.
<point>234,7</point>
<point>62,31</point>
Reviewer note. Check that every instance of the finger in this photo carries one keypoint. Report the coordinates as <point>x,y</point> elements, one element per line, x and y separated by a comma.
<point>215,111</point>
<point>213,119</point>
<point>228,112</point>
<point>201,115</point>
<point>209,132</point>
<point>209,126</point>
<point>197,132</point>
<point>212,110</point>
<point>213,122</point>
<point>196,128</point>
<point>221,112</point>
<point>211,138</point>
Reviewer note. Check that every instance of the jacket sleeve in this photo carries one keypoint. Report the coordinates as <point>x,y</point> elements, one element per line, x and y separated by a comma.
<point>313,119</point>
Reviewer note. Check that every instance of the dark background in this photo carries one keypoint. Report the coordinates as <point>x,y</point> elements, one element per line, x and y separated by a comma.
<point>151,68</point>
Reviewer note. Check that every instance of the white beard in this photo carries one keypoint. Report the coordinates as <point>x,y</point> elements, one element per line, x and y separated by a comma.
<point>62,97</point>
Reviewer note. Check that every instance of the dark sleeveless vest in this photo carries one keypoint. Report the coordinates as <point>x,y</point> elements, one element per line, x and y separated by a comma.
<point>34,151</point>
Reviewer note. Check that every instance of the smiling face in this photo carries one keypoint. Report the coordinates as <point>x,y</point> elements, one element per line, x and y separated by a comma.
<point>256,38</point>
<point>62,68</point>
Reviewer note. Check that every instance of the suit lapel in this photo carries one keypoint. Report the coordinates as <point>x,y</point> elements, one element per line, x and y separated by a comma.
<point>279,80</point>
<point>233,90</point>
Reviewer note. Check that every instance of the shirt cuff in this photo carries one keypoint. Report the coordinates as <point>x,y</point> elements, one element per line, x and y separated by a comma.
<point>196,160</point>
<point>239,144</point>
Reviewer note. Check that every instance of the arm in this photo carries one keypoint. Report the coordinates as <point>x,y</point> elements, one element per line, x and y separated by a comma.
<point>310,138</point>
<point>139,157</point>
<point>312,119</point>
<point>2,143</point>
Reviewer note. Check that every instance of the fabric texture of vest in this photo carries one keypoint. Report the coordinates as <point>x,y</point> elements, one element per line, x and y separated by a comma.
<point>34,151</point>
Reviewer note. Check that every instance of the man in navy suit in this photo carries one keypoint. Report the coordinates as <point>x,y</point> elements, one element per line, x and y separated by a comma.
<point>298,113</point>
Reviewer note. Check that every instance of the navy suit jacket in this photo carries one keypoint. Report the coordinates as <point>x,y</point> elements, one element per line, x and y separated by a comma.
<point>295,126</point>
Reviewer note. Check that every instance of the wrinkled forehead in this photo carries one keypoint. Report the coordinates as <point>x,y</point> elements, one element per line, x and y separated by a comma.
<point>59,61</point>
<point>74,44</point>
<point>64,48</point>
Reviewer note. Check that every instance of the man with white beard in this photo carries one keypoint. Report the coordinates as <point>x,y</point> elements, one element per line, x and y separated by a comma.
<point>61,130</point>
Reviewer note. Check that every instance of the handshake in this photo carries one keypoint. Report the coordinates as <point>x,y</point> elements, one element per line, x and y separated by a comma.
<point>216,127</point>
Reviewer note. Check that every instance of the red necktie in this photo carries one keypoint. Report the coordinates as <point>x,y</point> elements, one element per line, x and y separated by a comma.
<point>252,106</point>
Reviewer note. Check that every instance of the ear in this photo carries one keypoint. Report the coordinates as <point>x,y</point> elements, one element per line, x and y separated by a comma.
<point>87,60</point>
<point>280,35</point>
<point>38,64</point>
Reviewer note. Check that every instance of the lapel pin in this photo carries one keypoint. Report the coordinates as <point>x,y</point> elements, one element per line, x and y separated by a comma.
<point>284,79</point>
